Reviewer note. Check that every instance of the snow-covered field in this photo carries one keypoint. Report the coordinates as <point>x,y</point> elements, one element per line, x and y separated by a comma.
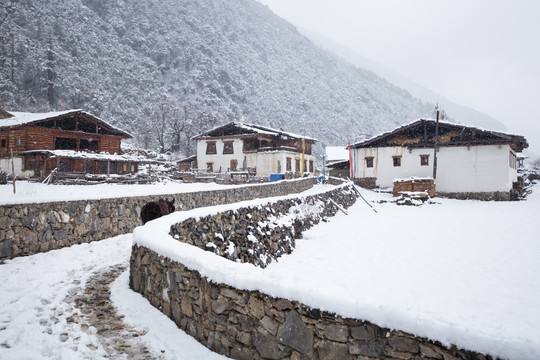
<point>463,272</point>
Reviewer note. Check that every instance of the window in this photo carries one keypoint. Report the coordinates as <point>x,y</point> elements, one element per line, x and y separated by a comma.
<point>513,161</point>
<point>424,160</point>
<point>397,160</point>
<point>297,165</point>
<point>124,167</point>
<point>210,167</point>
<point>369,161</point>
<point>310,166</point>
<point>305,166</point>
<point>65,144</point>
<point>228,147</point>
<point>63,166</point>
<point>211,147</point>
<point>4,143</point>
<point>289,164</point>
<point>18,142</point>
<point>102,167</point>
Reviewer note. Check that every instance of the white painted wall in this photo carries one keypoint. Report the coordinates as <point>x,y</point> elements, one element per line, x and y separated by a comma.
<point>5,165</point>
<point>223,160</point>
<point>483,168</point>
<point>265,162</point>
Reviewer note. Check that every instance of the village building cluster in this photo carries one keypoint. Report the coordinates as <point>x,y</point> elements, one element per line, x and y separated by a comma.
<point>468,162</point>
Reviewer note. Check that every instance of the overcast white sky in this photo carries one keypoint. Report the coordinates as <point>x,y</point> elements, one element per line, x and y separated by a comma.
<point>484,54</point>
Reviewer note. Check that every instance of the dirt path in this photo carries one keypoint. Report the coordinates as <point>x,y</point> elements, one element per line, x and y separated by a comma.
<point>118,339</point>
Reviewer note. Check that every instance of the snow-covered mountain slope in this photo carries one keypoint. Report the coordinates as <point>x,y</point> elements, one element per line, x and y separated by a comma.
<point>456,112</point>
<point>131,62</point>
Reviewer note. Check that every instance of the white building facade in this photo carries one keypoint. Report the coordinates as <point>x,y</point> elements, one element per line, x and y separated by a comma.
<point>469,160</point>
<point>260,150</point>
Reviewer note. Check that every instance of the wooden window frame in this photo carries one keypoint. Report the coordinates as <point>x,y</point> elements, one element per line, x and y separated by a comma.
<point>369,161</point>
<point>297,165</point>
<point>396,160</point>
<point>211,148</point>
<point>424,160</point>
<point>289,164</point>
<point>228,147</point>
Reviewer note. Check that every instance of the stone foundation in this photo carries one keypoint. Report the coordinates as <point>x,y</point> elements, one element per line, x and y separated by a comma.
<point>484,196</point>
<point>27,229</point>
<point>250,325</point>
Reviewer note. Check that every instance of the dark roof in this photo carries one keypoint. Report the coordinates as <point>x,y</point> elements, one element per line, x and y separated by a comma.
<point>239,128</point>
<point>4,114</point>
<point>421,133</point>
<point>24,118</point>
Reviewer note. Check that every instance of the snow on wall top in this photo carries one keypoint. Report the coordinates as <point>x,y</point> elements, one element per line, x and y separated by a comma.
<point>23,118</point>
<point>249,129</point>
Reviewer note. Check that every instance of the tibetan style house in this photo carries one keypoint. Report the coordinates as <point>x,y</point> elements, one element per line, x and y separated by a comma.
<point>471,162</point>
<point>34,144</point>
<point>256,149</point>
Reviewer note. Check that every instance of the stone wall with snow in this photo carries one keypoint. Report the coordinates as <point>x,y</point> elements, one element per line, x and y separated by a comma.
<point>27,229</point>
<point>244,324</point>
<point>261,233</point>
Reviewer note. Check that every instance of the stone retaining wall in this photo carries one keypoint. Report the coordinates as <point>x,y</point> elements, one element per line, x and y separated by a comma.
<point>250,325</point>
<point>27,229</point>
<point>260,234</point>
<point>484,196</point>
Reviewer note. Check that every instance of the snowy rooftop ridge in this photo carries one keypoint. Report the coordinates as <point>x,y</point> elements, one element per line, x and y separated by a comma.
<point>258,129</point>
<point>23,118</point>
<point>88,155</point>
<point>442,122</point>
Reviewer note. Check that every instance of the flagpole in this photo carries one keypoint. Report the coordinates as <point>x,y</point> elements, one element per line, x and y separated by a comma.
<point>435,147</point>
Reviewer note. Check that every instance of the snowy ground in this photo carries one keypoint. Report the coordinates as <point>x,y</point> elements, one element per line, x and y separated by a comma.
<point>463,272</point>
<point>27,192</point>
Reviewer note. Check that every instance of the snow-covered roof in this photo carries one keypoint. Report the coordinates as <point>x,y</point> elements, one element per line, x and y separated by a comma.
<point>187,159</point>
<point>24,118</point>
<point>243,128</point>
<point>336,153</point>
<point>518,141</point>
<point>87,155</point>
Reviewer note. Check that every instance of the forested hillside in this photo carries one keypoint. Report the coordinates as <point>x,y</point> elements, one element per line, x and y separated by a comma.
<point>165,70</point>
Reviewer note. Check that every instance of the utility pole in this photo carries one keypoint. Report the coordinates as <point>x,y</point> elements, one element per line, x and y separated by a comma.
<point>435,147</point>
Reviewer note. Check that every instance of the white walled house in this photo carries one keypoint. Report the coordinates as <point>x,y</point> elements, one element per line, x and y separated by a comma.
<point>260,150</point>
<point>471,162</point>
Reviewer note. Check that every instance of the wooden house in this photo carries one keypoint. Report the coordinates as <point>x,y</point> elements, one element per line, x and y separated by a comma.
<point>471,162</point>
<point>33,144</point>
<point>187,164</point>
<point>257,149</point>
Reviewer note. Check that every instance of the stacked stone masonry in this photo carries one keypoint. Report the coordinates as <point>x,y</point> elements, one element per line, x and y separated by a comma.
<point>260,234</point>
<point>250,325</point>
<point>27,229</point>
